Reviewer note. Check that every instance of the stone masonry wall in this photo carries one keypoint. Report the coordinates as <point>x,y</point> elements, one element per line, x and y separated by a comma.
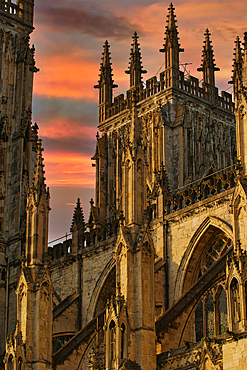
<point>64,276</point>
<point>235,355</point>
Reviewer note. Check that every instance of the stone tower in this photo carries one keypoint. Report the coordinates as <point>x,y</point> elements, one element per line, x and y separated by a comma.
<point>18,148</point>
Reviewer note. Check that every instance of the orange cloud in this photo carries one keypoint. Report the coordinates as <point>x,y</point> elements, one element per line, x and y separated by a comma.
<point>69,170</point>
<point>66,76</point>
<point>68,129</point>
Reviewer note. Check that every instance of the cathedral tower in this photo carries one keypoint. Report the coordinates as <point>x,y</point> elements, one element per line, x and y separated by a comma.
<point>18,147</point>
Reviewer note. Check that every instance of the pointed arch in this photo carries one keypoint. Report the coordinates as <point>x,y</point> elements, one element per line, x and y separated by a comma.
<point>211,227</point>
<point>108,273</point>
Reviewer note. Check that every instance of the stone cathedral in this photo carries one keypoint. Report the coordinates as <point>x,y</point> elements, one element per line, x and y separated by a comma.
<point>156,278</point>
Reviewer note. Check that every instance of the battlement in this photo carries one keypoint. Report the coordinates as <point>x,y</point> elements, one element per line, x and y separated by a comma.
<point>18,10</point>
<point>94,234</point>
<point>189,86</point>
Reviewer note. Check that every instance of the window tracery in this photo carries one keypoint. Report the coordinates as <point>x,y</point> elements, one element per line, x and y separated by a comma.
<point>211,315</point>
<point>209,308</point>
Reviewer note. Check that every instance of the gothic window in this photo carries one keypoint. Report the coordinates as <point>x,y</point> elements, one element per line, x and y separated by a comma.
<point>122,341</point>
<point>112,344</point>
<point>235,300</point>
<point>208,321</point>
<point>222,312</point>
<point>209,316</point>
<point>217,248</point>
<point>199,322</point>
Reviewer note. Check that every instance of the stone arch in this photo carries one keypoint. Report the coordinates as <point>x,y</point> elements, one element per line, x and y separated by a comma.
<point>104,287</point>
<point>209,227</point>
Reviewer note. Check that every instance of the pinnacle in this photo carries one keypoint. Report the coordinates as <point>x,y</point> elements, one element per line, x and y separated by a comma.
<point>38,185</point>
<point>171,18</point>
<point>106,54</point>
<point>78,222</point>
<point>238,51</point>
<point>208,65</point>
<point>135,65</point>
<point>171,32</point>
<point>105,67</point>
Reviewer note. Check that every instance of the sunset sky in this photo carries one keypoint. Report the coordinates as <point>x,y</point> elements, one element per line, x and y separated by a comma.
<point>69,37</point>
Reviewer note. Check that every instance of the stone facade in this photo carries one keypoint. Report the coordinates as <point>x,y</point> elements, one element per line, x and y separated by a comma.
<point>157,277</point>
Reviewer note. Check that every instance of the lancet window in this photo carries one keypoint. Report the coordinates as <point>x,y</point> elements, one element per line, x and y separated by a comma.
<point>112,344</point>
<point>211,316</point>
<point>222,312</point>
<point>235,298</point>
<point>122,341</point>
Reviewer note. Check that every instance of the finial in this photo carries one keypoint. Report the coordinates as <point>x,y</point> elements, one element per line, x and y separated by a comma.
<point>91,202</point>
<point>97,135</point>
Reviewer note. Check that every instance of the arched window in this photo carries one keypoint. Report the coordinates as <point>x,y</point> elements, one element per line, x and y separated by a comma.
<point>222,312</point>
<point>122,341</point>
<point>209,316</point>
<point>235,300</point>
<point>199,322</point>
<point>112,344</point>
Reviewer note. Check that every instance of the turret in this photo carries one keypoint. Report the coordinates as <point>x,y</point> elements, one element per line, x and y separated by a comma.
<point>135,65</point>
<point>171,50</point>
<point>106,83</point>
<point>208,66</point>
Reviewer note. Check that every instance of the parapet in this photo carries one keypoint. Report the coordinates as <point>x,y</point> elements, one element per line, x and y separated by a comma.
<point>189,86</point>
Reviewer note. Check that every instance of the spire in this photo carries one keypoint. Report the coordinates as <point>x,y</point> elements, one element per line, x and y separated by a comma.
<point>106,83</point>
<point>135,65</point>
<point>78,222</point>
<point>208,66</point>
<point>171,49</point>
